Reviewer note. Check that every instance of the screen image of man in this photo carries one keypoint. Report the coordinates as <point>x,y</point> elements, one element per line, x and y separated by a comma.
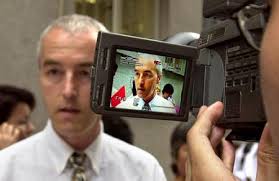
<point>147,75</point>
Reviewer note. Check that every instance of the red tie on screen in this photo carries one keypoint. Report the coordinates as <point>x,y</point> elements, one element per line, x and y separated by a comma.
<point>118,96</point>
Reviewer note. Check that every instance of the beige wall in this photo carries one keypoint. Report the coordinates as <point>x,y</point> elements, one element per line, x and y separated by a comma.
<point>185,15</point>
<point>23,20</point>
<point>180,16</point>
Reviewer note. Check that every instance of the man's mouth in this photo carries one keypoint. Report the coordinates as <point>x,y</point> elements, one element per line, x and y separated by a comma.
<point>70,110</point>
<point>141,89</point>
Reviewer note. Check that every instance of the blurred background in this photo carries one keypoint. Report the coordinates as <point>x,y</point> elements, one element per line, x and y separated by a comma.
<point>23,20</point>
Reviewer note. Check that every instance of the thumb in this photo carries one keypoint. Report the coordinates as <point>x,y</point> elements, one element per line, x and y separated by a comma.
<point>209,117</point>
<point>228,154</point>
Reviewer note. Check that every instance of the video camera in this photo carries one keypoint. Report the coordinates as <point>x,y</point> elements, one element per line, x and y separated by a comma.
<point>221,65</point>
<point>228,64</point>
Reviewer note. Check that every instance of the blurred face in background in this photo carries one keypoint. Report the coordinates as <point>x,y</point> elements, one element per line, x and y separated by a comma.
<point>20,119</point>
<point>166,95</point>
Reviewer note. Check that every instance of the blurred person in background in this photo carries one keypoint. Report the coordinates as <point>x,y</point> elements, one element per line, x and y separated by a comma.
<point>179,153</point>
<point>245,164</point>
<point>16,105</point>
<point>118,128</point>
<point>167,93</point>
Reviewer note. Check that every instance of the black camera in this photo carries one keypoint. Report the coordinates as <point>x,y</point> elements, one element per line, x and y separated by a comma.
<point>129,73</point>
<point>228,64</point>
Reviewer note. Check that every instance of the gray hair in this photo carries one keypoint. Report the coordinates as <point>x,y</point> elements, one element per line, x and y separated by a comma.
<point>72,23</point>
<point>158,64</point>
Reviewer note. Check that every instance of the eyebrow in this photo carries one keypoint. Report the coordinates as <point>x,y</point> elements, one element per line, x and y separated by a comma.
<point>85,64</point>
<point>146,71</point>
<point>51,62</point>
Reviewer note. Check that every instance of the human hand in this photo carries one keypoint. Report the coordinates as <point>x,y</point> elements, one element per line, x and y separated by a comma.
<point>268,159</point>
<point>202,140</point>
<point>9,134</point>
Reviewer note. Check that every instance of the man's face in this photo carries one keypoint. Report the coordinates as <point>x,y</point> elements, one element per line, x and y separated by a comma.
<point>65,62</point>
<point>20,119</point>
<point>146,78</point>
<point>270,71</point>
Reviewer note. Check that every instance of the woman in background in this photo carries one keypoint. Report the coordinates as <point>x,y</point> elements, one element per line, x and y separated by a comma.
<point>16,105</point>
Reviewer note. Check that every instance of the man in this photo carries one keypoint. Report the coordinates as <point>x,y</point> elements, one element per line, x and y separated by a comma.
<point>73,145</point>
<point>204,135</point>
<point>148,73</point>
<point>16,105</point>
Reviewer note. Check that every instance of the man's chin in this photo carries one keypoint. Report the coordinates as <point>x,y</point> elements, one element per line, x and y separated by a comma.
<point>140,93</point>
<point>67,129</point>
<point>66,117</point>
<point>140,96</point>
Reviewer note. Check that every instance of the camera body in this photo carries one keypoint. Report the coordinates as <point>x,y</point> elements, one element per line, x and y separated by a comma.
<point>228,67</point>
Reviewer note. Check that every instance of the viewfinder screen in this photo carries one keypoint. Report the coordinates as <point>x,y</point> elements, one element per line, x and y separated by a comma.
<point>147,82</point>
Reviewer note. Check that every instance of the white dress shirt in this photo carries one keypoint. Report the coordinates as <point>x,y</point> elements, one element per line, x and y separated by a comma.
<point>157,104</point>
<point>245,165</point>
<point>44,156</point>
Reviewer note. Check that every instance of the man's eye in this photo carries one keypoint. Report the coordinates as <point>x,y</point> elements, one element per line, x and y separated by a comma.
<point>84,73</point>
<point>53,72</point>
<point>148,75</point>
<point>22,122</point>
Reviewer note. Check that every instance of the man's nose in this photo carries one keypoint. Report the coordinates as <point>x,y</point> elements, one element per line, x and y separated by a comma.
<point>141,79</point>
<point>70,87</point>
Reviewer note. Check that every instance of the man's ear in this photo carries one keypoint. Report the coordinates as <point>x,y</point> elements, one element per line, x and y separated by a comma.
<point>158,79</point>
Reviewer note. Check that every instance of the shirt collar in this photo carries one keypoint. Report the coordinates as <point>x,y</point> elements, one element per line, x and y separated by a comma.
<point>141,101</point>
<point>94,151</point>
<point>154,100</point>
<point>59,151</point>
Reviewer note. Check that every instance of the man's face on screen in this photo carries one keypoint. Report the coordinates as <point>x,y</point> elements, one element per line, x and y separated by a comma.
<point>146,78</point>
